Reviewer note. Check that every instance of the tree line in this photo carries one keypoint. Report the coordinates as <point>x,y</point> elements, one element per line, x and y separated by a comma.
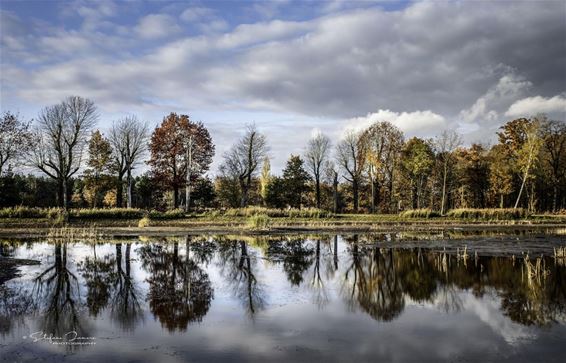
<point>375,170</point>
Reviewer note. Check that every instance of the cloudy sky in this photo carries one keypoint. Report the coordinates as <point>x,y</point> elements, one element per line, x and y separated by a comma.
<point>292,67</point>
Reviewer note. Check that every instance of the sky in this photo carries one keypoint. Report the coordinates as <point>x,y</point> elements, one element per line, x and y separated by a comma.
<point>294,68</point>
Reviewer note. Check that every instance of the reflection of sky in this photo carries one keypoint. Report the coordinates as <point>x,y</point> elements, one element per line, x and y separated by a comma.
<point>294,325</point>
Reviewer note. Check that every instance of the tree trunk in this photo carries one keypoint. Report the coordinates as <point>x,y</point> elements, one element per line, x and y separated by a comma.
<point>119,195</point>
<point>356,194</point>
<point>335,192</point>
<point>129,188</point>
<point>176,196</point>
<point>244,199</point>
<point>554,197</point>
<point>317,187</point>
<point>65,196</point>
<point>443,201</point>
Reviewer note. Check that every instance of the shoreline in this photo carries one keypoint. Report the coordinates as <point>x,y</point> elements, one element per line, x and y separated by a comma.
<point>127,228</point>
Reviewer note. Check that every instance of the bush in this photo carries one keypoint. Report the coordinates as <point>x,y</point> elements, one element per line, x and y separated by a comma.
<point>488,213</point>
<point>259,221</point>
<point>144,222</point>
<point>419,213</point>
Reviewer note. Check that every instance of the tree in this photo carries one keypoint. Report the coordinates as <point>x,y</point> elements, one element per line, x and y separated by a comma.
<point>265,178</point>
<point>554,147</point>
<point>62,132</point>
<point>180,148</point>
<point>446,143</point>
<point>275,196</point>
<point>382,142</point>
<point>316,155</point>
<point>15,138</point>
<point>99,157</point>
<point>417,159</point>
<point>242,160</point>
<point>295,177</point>
<point>522,141</point>
<point>128,137</point>
<point>500,174</point>
<point>473,172</point>
<point>350,155</point>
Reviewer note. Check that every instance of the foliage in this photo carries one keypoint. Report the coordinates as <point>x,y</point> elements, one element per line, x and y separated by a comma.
<point>295,179</point>
<point>169,149</point>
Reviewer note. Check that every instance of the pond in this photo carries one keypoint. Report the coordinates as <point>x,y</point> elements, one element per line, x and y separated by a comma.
<point>381,297</point>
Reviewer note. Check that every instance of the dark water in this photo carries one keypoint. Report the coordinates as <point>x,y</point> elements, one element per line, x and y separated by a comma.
<point>288,299</point>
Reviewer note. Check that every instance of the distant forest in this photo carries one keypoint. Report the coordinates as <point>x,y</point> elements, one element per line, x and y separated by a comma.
<point>376,170</point>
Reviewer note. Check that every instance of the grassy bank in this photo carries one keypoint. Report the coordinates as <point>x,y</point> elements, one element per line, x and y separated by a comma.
<point>261,220</point>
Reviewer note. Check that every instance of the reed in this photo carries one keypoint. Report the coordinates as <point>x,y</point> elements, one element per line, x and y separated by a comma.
<point>419,213</point>
<point>488,213</point>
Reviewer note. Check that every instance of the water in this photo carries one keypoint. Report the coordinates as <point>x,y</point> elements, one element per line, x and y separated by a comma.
<point>282,298</point>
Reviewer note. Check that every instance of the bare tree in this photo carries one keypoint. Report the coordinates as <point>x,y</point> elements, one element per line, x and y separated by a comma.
<point>446,143</point>
<point>316,154</point>
<point>350,155</point>
<point>243,159</point>
<point>15,138</point>
<point>128,137</point>
<point>62,135</point>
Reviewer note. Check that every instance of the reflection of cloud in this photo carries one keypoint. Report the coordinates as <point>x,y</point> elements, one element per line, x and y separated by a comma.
<point>488,309</point>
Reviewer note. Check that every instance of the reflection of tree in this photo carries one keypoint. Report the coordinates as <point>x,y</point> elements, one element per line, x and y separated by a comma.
<point>296,256</point>
<point>320,293</point>
<point>126,309</point>
<point>238,267</point>
<point>15,303</point>
<point>180,292</point>
<point>373,283</point>
<point>58,288</point>
<point>97,274</point>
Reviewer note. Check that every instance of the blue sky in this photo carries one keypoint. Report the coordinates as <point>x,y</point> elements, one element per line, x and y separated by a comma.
<point>293,67</point>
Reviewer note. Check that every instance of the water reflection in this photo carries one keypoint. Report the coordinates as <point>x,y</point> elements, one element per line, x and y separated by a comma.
<point>180,292</point>
<point>179,280</point>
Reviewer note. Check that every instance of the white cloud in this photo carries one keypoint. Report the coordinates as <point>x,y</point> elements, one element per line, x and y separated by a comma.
<point>531,106</point>
<point>157,26</point>
<point>413,122</point>
<point>489,105</point>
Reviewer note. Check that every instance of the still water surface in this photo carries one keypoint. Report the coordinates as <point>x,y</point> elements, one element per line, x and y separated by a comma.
<point>288,299</point>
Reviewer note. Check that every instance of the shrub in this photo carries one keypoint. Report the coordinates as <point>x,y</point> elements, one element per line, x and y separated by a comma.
<point>419,213</point>
<point>259,221</point>
<point>144,222</point>
<point>488,213</point>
